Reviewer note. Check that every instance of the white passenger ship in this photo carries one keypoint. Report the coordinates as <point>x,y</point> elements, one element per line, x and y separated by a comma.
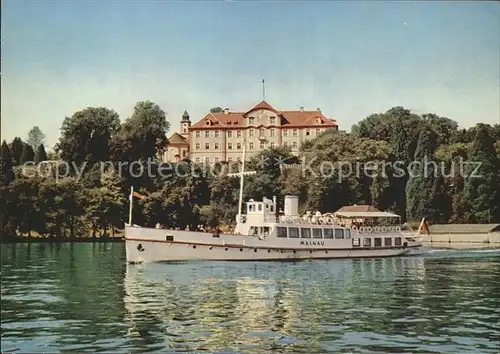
<point>262,234</point>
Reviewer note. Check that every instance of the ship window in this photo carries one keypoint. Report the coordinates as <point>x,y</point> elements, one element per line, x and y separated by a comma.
<point>347,233</point>
<point>271,208</point>
<point>367,242</point>
<point>250,207</point>
<point>293,232</point>
<point>377,242</point>
<point>305,233</point>
<point>388,241</point>
<point>171,238</point>
<point>327,233</point>
<point>339,233</point>
<point>260,207</point>
<point>317,233</point>
<point>355,242</point>
<point>281,231</point>
<point>397,241</point>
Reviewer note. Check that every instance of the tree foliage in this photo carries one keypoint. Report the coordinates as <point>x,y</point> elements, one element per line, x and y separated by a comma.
<point>35,137</point>
<point>40,154</point>
<point>397,161</point>
<point>86,135</point>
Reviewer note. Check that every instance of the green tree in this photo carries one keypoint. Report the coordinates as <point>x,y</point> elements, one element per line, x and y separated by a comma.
<point>16,150</point>
<point>86,135</point>
<point>6,165</point>
<point>143,135</point>
<point>421,184</point>
<point>445,128</point>
<point>35,137</point>
<point>483,187</point>
<point>40,154</point>
<point>216,110</point>
<point>28,154</point>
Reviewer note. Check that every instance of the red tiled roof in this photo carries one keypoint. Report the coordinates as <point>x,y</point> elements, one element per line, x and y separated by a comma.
<point>357,208</point>
<point>289,119</point>
<point>263,105</point>
<point>177,139</point>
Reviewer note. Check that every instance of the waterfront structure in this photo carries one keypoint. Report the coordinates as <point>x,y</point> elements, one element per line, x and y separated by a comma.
<point>220,136</point>
<point>442,234</point>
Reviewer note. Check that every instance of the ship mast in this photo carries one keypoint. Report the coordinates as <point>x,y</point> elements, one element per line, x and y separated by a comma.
<point>242,174</point>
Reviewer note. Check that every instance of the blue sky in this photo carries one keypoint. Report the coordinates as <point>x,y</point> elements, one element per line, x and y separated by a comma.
<point>350,59</point>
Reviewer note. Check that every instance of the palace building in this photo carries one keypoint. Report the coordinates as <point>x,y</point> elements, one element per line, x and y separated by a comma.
<point>219,137</point>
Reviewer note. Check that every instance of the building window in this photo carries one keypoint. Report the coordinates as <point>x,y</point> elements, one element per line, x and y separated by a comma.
<point>318,132</point>
<point>197,134</point>
<point>339,233</point>
<point>281,231</point>
<point>198,159</point>
<point>184,130</point>
<point>272,144</point>
<point>197,146</point>
<point>252,133</point>
<point>295,132</point>
<point>317,233</point>
<point>327,233</point>
<point>262,145</point>
<point>229,133</point>
<point>207,134</point>
<point>251,145</point>
<point>305,233</point>
<point>207,146</point>
<point>238,146</point>
<point>367,242</point>
<point>285,144</point>
<point>388,242</point>
<point>272,120</point>
<point>294,144</point>
<point>238,159</point>
<point>229,159</point>
<point>230,146</point>
<point>238,133</point>
<point>285,132</point>
<point>293,232</point>
<point>377,242</point>
<point>272,132</point>
<point>262,132</point>
<point>308,132</point>
<point>216,146</point>
<point>216,134</point>
<point>207,160</point>
<point>251,120</point>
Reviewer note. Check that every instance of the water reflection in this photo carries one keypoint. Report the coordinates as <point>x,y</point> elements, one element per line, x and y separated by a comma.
<point>78,297</point>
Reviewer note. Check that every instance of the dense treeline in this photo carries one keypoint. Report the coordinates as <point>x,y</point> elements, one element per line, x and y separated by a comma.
<point>416,166</point>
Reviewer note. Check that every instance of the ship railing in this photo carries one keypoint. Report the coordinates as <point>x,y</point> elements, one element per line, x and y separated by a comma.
<point>376,229</point>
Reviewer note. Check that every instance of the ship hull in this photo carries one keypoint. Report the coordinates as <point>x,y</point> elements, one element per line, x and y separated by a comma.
<point>151,245</point>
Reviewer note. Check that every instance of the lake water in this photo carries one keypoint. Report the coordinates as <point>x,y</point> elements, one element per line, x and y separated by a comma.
<point>83,297</point>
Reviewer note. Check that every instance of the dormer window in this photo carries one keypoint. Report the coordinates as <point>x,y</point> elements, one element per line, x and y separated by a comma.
<point>319,121</point>
<point>272,120</point>
<point>208,122</point>
<point>251,120</point>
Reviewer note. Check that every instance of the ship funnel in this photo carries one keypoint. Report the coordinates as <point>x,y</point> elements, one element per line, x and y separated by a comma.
<point>291,205</point>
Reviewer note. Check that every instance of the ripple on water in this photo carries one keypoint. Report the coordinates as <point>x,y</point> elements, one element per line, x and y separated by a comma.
<point>84,298</point>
